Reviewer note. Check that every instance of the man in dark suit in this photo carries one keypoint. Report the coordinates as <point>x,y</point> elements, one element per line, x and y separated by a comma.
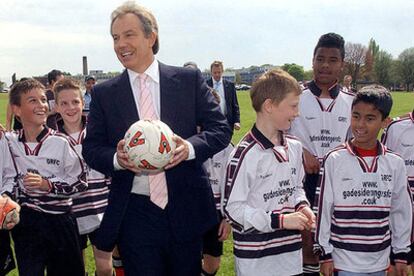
<point>228,98</point>
<point>153,238</point>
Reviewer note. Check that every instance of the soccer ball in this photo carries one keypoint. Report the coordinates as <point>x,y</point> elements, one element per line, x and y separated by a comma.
<point>149,145</point>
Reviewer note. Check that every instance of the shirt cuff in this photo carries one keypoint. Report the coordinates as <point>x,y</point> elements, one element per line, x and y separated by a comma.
<point>117,167</point>
<point>191,153</point>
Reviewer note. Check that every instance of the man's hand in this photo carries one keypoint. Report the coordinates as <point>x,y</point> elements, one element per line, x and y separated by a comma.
<point>181,152</point>
<point>311,164</point>
<point>9,213</point>
<point>122,158</point>
<point>224,230</point>
<point>327,268</point>
<point>310,215</point>
<point>237,126</point>
<point>400,269</point>
<point>295,221</point>
<point>33,181</point>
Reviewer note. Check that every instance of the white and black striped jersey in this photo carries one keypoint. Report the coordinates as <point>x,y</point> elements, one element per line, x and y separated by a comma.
<point>54,159</point>
<point>362,210</point>
<point>323,124</point>
<point>264,182</point>
<point>216,172</point>
<point>88,206</point>
<point>399,137</point>
<point>7,169</point>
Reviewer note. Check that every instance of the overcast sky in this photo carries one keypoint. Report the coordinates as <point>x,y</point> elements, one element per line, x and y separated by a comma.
<point>39,35</point>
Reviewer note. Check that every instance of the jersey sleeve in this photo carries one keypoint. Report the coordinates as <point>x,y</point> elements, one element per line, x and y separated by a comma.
<point>324,209</point>
<point>300,196</point>
<point>7,168</point>
<point>73,178</point>
<point>401,213</point>
<point>389,138</point>
<point>242,216</point>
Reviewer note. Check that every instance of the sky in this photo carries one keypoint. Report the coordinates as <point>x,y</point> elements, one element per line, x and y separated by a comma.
<point>37,36</point>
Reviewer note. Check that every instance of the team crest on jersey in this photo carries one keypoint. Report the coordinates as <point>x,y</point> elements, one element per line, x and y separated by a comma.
<point>386,177</point>
<point>51,161</point>
<point>342,119</point>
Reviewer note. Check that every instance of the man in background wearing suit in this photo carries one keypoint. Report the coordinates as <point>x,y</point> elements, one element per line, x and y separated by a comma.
<point>228,104</point>
<point>157,220</point>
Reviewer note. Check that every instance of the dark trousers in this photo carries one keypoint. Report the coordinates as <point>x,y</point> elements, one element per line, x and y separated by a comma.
<point>45,241</point>
<point>6,255</point>
<point>310,184</point>
<point>147,246</point>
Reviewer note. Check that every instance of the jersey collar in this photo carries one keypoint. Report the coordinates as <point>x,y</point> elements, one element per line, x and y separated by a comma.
<point>333,90</point>
<point>263,141</point>
<point>42,135</point>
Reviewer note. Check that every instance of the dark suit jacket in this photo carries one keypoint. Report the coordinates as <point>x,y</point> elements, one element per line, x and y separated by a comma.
<point>185,104</point>
<point>232,105</point>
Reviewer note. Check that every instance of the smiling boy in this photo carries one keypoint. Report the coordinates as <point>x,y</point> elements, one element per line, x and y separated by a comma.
<point>364,197</point>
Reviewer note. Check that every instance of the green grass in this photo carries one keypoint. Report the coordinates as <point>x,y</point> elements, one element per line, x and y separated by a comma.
<point>403,103</point>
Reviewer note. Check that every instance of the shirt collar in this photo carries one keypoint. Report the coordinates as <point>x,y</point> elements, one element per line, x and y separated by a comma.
<point>333,90</point>
<point>39,138</point>
<point>152,71</point>
<point>263,141</point>
<point>218,82</point>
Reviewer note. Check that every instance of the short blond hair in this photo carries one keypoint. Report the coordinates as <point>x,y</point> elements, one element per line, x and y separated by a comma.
<point>145,16</point>
<point>275,85</point>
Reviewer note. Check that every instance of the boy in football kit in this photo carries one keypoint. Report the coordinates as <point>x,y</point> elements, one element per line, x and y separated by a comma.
<point>323,124</point>
<point>364,206</point>
<point>88,206</point>
<point>398,137</point>
<point>7,174</point>
<point>264,198</point>
<point>49,172</point>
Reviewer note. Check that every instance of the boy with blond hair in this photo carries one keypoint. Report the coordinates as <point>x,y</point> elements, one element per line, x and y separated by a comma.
<point>88,206</point>
<point>265,201</point>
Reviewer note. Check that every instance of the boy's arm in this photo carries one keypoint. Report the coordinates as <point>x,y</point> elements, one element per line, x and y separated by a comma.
<point>324,208</point>
<point>8,170</point>
<point>401,215</point>
<point>247,218</point>
<point>73,177</point>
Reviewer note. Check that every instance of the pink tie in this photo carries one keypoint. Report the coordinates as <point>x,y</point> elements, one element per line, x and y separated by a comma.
<point>157,182</point>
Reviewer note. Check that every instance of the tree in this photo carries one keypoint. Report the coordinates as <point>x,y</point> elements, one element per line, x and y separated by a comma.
<point>406,66</point>
<point>355,57</point>
<point>382,67</point>
<point>308,75</point>
<point>295,70</point>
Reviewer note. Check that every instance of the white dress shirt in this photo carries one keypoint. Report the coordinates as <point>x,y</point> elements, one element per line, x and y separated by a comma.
<point>140,184</point>
<point>219,87</point>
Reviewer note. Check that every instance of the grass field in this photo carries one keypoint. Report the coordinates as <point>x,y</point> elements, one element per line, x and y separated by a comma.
<point>403,103</point>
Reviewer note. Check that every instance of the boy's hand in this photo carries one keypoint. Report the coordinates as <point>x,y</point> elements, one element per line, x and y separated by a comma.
<point>311,164</point>
<point>295,221</point>
<point>122,158</point>
<point>33,181</point>
<point>310,215</point>
<point>224,230</point>
<point>181,152</point>
<point>400,269</point>
<point>327,268</point>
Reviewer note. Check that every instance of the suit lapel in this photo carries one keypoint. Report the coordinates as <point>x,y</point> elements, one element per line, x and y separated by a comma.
<point>168,89</point>
<point>125,101</point>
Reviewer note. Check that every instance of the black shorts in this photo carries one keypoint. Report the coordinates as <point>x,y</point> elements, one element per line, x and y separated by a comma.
<point>83,239</point>
<point>310,184</point>
<point>7,263</point>
<point>211,244</point>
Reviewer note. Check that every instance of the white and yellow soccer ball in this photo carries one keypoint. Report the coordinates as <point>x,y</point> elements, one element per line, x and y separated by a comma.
<point>149,145</point>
